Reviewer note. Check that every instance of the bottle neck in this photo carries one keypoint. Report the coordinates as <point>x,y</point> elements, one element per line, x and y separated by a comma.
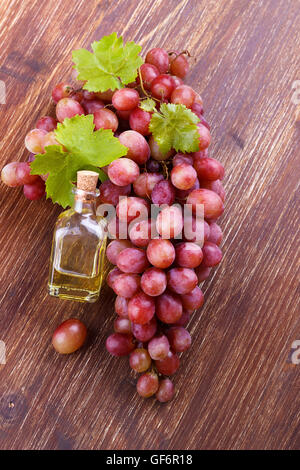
<point>85,201</point>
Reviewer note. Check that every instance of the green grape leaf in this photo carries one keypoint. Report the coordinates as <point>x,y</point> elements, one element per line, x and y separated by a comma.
<point>175,126</point>
<point>148,105</point>
<point>110,66</point>
<point>81,149</point>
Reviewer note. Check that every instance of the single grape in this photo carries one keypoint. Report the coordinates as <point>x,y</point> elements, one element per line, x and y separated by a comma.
<point>126,284</point>
<point>159,58</point>
<point>178,81</point>
<point>114,249</point>
<point>23,174</point>
<point>105,119</point>
<point>182,280</point>
<point>68,108</point>
<point>209,169</point>
<point>202,273</point>
<point>148,73</point>
<point>215,186</point>
<point>138,147</point>
<point>89,95</point>
<point>105,96</point>
<point>60,91</point>
<point>163,193</point>
<point>141,308</point>
<point>34,191</point>
<point>112,275</point>
<point>169,365</point>
<point>139,121</point>
<point>156,153</point>
<point>121,306</point>
<point>213,204</point>
<point>183,94</point>
<point>193,299</point>
<point>154,281</point>
<point>195,230</point>
<point>91,106</point>
<point>110,193</point>
<point>169,222</point>
<point>180,158</point>
<point>184,319</point>
<point>123,171</point>
<point>142,232</point>
<point>204,122</point>
<point>147,385</point>
<point>153,166</point>
<point>34,140</point>
<point>165,391</point>
<point>183,176</point>
<point>9,175</point>
<point>49,139</point>
<point>188,255</point>
<point>158,347</point>
<point>125,99</point>
<point>198,99</point>
<point>131,207</point>
<point>122,325</point>
<point>146,331</point>
<point>168,307</point>
<point>161,253</point>
<point>197,109</point>
<point>162,86</point>
<point>145,183</point>
<point>46,123</point>
<point>140,360</point>
<point>204,136</point>
<point>212,254</point>
<point>179,338</point>
<point>119,344</point>
<point>179,66</point>
<point>216,234</point>
<point>69,336</point>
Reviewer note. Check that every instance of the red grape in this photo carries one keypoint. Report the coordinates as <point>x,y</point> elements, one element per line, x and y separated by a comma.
<point>138,148</point>
<point>179,66</point>
<point>121,306</point>
<point>182,280</point>
<point>125,99</point>
<point>215,186</point>
<point>159,58</point>
<point>140,360</point>
<point>122,325</point>
<point>169,365</point>
<point>34,140</point>
<point>156,153</point>
<point>202,273</point>
<point>168,307</point>
<point>132,260</point>
<point>193,299</point>
<point>141,308</point>
<point>188,255</point>
<point>209,169</point>
<point>139,121</point>
<point>119,344</point>
<point>148,73</point>
<point>158,347</point>
<point>153,166</point>
<point>126,284</point>
<point>110,193</point>
<point>163,193</point>
<point>213,204</point>
<point>180,158</point>
<point>162,86</point>
<point>105,95</point>
<point>216,234</point>
<point>183,94</point>
<point>34,191</point>
<point>147,385</point>
<point>197,109</point>
<point>161,253</point>
<point>212,254</point>
<point>183,176</point>
<point>46,123</point>
<point>114,249</point>
<point>62,90</point>
<point>141,232</point>
<point>179,338</point>
<point>165,391</point>
<point>69,336</point>
<point>154,281</point>
<point>68,108</point>
<point>112,275</point>
<point>129,208</point>
<point>105,119</point>
<point>23,174</point>
<point>145,183</point>
<point>184,319</point>
<point>9,175</point>
<point>169,222</point>
<point>123,171</point>
<point>204,136</point>
<point>144,332</point>
<point>91,106</point>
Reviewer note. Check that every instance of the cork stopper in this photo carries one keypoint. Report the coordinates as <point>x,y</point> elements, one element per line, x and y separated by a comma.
<point>87,180</point>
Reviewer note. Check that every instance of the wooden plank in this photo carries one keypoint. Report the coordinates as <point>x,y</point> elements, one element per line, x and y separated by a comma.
<point>235,387</point>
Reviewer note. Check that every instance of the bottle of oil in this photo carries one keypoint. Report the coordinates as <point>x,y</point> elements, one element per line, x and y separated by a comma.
<point>78,247</point>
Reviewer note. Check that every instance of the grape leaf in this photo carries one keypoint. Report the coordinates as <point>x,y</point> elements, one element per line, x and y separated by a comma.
<point>175,126</point>
<point>111,65</point>
<point>148,105</point>
<point>81,149</point>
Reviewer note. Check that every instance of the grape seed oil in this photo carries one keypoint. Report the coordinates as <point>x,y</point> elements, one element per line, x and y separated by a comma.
<point>78,247</point>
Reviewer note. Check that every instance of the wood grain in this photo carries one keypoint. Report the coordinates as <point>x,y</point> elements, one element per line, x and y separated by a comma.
<point>236,388</point>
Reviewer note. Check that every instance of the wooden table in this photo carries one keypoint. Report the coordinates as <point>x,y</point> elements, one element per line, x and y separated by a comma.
<point>237,387</point>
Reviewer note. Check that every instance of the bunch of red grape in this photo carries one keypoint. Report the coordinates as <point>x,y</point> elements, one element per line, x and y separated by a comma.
<point>156,278</point>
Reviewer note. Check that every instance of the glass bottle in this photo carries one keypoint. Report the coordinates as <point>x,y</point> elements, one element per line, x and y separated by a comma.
<point>78,247</point>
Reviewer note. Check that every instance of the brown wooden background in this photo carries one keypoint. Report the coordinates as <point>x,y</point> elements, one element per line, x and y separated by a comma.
<point>235,388</point>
